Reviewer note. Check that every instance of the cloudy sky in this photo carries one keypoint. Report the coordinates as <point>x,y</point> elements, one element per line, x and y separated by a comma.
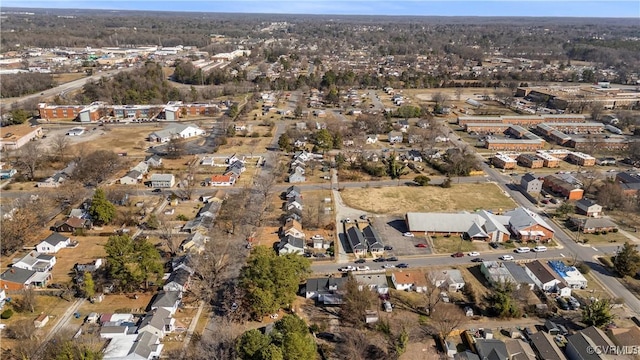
<point>569,8</point>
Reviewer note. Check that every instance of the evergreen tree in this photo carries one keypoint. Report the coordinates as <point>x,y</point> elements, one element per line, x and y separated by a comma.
<point>88,285</point>
<point>102,211</point>
<point>627,260</point>
<point>597,313</point>
<point>284,142</point>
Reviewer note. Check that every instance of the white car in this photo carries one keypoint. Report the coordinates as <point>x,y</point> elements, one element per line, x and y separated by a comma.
<point>347,268</point>
<point>317,237</point>
<point>506,257</point>
<point>474,253</point>
<point>523,249</point>
<point>408,234</point>
<point>388,266</point>
<point>539,248</point>
<point>363,268</point>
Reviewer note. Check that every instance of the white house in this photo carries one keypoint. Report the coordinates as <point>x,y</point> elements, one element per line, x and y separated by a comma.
<point>53,243</point>
<point>35,261</point>
<point>168,300</point>
<point>131,178</point>
<point>371,139</point>
<point>409,280</point>
<point>290,245</point>
<point>544,278</point>
<point>162,180</point>
<point>395,137</point>
<point>157,322</point>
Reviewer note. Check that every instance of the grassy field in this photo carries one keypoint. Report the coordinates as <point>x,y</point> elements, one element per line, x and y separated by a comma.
<point>89,248</point>
<point>68,77</point>
<point>129,139</point>
<point>399,200</point>
<point>444,245</point>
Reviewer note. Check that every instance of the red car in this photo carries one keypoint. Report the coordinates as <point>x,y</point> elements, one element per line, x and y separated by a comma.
<point>458,254</point>
<point>422,245</point>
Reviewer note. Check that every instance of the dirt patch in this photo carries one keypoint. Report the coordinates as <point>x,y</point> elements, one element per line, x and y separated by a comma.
<point>131,139</point>
<point>68,77</point>
<point>399,200</point>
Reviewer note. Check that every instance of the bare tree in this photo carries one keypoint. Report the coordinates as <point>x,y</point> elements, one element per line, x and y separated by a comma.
<point>264,185</point>
<point>29,158</point>
<point>596,109</point>
<point>60,145</point>
<point>435,285</point>
<point>175,148</point>
<point>357,300</point>
<point>440,99</point>
<point>165,231</point>
<point>458,92</point>
<point>70,193</point>
<point>189,182</point>
<point>444,319</point>
<point>29,300</point>
<point>23,329</point>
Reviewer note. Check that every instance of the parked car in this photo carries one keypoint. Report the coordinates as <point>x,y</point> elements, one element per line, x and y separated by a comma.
<point>506,257</point>
<point>402,266</point>
<point>523,249</point>
<point>317,237</point>
<point>494,245</point>
<point>539,248</point>
<point>156,190</point>
<point>574,303</point>
<point>379,259</point>
<point>363,268</point>
<point>364,217</point>
<point>387,306</point>
<point>421,245</point>
<point>329,337</point>
<point>478,260</point>
<point>474,253</point>
<point>388,247</point>
<point>408,234</point>
<point>393,258</point>
<point>347,268</point>
<point>388,266</point>
<point>554,201</point>
<point>562,303</point>
<point>360,261</point>
<point>458,254</point>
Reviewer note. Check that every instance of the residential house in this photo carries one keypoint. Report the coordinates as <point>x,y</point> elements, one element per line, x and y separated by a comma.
<point>71,224</point>
<point>531,184</point>
<point>52,182</point>
<point>415,138</point>
<point>395,137</point>
<point>178,280</point>
<point>588,207</point>
<point>371,139</point>
<point>528,226</point>
<point>491,349</point>
<point>579,345</point>
<point>624,336</point>
<point>545,347</point>
<point>116,319</point>
<point>545,278</point>
<point>414,155</point>
<point>519,275</point>
<point>243,127</point>
<point>325,290</point>
<point>496,273</point>
<point>299,143</point>
<point>194,243</point>
<point>143,346</point>
<point>292,192</point>
<point>589,225</point>
<point>157,322</point>
<point>207,161</point>
<point>404,125</point>
<point>222,180</point>
<point>356,241</point>
<point>154,161</point>
<point>409,280</point>
<point>374,281</point>
<point>111,331</point>
<point>232,159</point>
<point>236,167</point>
<point>15,279</point>
<point>374,242</point>
<point>294,203</point>
<point>297,176</point>
<point>162,180</point>
<point>570,274</point>
<point>449,279</point>
<point>481,225</point>
<point>293,214</point>
<point>628,182</point>
<point>185,261</point>
<point>53,243</point>
<point>466,355</point>
<point>519,350</point>
<point>290,245</point>
<point>90,267</point>
<point>176,131</point>
<point>168,300</point>
<point>209,209</point>
<point>141,167</point>
<point>293,228</point>
<point>36,262</point>
<point>131,178</point>
<point>200,223</point>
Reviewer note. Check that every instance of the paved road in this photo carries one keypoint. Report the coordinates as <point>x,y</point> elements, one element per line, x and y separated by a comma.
<point>64,320</point>
<point>375,100</point>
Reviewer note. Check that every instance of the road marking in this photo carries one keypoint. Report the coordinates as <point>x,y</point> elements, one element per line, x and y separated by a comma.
<point>594,248</point>
<point>561,254</point>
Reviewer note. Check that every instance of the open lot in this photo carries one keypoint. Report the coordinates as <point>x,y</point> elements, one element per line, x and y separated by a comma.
<point>131,139</point>
<point>390,229</point>
<point>89,248</point>
<point>399,200</point>
<point>452,244</point>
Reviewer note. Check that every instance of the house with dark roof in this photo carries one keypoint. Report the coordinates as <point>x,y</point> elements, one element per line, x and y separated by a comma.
<point>200,223</point>
<point>325,290</point>
<point>629,183</point>
<point>580,345</point>
<point>554,328</point>
<point>588,208</point>
<point>356,241</point>
<point>589,225</point>
<point>290,245</point>
<point>293,228</point>
<point>625,336</point>
<point>194,243</point>
<point>491,349</point>
<point>531,184</point>
<point>294,203</point>
<point>157,322</point>
<point>519,350</point>
<point>545,278</point>
<point>292,192</point>
<point>546,348</point>
<point>374,242</point>
<point>168,300</point>
<point>14,279</point>
<point>519,275</point>
<point>143,346</point>
<point>71,224</point>
<point>52,243</point>
<point>178,280</point>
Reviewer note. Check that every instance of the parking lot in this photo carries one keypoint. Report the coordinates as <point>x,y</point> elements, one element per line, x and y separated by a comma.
<point>390,229</point>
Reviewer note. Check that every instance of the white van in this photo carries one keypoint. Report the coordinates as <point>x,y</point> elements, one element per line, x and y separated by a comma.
<point>388,307</point>
<point>540,248</point>
<point>523,249</point>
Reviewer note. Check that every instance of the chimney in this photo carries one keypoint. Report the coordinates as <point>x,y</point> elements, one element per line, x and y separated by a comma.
<point>12,271</point>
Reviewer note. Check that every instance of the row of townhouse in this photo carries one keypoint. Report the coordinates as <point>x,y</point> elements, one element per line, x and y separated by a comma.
<point>293,238</point>
<point>522,120</point>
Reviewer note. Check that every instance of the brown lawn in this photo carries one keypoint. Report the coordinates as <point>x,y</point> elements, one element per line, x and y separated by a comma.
<point>88,249</point>
<point>399,200</point>
<point>130,139</point>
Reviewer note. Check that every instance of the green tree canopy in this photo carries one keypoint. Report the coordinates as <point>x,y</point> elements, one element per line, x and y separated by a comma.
<point>251,343</point>
<point>271,281</point>
<point>597,313</point>
<point>627,260</point>
<point>102,211</point>
<point>284,142</point>
<point>422,180</point>
<point>290,340</point>
<point>131,262</point>
<point>323,139</point>
<point>503,303</point>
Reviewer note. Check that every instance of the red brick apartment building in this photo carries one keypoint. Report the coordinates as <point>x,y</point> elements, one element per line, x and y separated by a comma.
<point>62,112</point>
<point>598,143</point>
<point>488,128</point>
<point>502,161</point>
<point>581,159</point>
<point>514,144</point>
<point>568,189</point>
<point>530,161</point>
<point>548,160</point>
<point>522,120</point>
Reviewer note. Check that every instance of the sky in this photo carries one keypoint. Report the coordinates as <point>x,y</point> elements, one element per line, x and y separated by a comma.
<point>559,8</point>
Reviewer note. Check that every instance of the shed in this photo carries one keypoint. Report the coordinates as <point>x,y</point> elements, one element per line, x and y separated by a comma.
<point>41,321</point>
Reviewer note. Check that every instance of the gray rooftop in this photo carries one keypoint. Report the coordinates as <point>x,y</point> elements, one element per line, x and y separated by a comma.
<point>17,275</point>
<point>55,238</point>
